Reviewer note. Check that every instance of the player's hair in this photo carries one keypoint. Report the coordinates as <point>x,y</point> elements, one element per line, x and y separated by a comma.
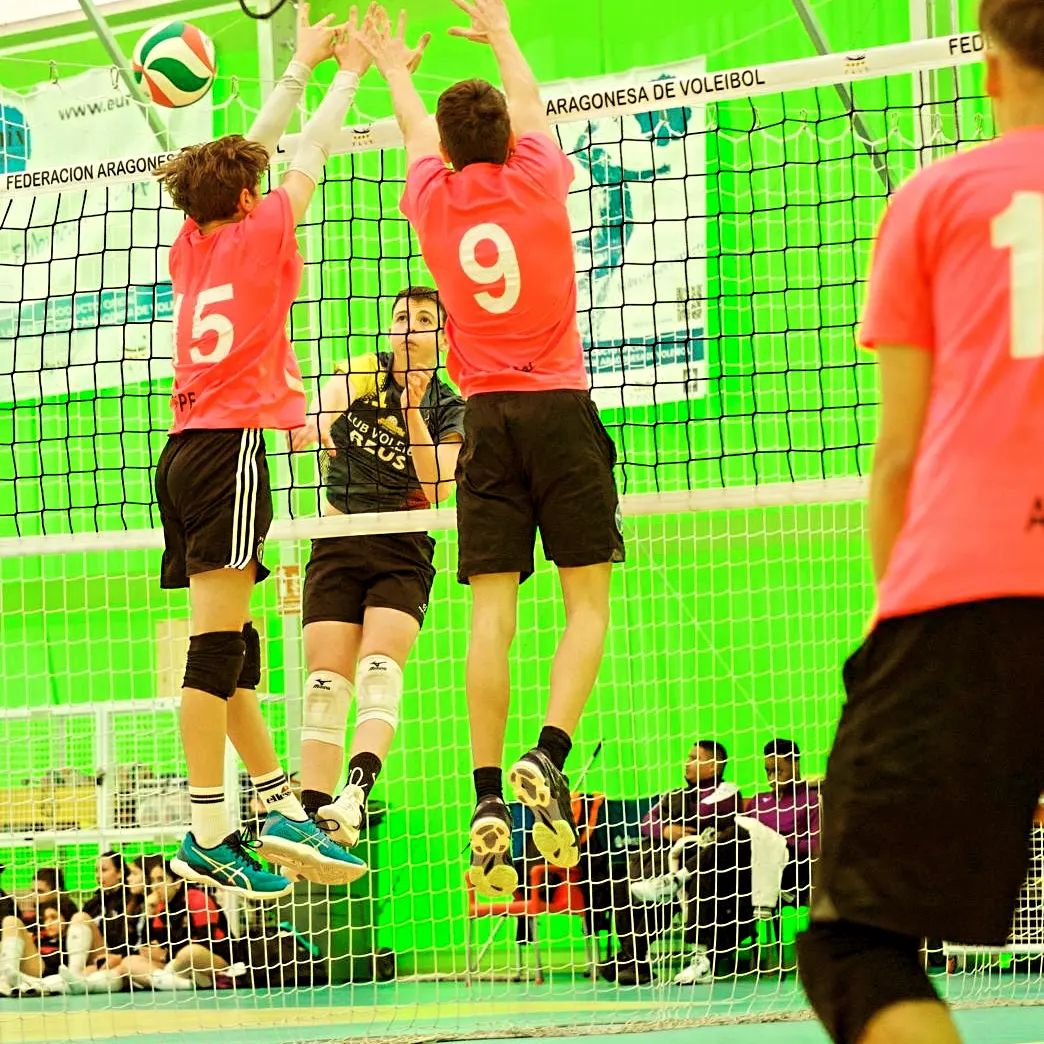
<point>715,748</point>
<point>782,748</point>
<point>205,181</point>
<point>1018,27</point>
<point>149,862</point>
<point>474,124</point>
<point>51,876</point>
<point>421,293</point>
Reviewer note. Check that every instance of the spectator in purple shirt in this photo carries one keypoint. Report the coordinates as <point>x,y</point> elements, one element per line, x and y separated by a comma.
<point>791,808</point>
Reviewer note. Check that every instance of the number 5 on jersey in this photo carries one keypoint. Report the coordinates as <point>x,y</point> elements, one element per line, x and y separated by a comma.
<point>1020,229</point>
<point>204,323</point>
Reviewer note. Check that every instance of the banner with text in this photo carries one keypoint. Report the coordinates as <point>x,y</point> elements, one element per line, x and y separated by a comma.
<point>637,208</point>
<point>83,280</point>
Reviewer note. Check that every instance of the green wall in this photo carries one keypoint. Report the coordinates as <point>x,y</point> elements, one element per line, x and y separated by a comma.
<point>730,625</point>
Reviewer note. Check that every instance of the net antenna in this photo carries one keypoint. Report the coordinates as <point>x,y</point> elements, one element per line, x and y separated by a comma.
<point>822,46</point>
<point>119,60</point>
<point>261,14</point>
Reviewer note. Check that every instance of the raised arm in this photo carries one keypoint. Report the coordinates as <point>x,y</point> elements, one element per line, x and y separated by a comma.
<point>314,45</point>
<point>491,24</point>
<point>396,63</point>
<point>320,132</point>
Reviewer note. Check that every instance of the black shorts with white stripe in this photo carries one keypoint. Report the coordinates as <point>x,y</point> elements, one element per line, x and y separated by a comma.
<point>215,502</point>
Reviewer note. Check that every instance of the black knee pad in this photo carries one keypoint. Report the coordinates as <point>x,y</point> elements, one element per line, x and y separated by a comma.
<point>214,662</point>
<point>851,971</point>
<point>250,675</point>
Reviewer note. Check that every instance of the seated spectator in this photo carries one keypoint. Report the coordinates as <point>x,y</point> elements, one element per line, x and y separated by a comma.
<point>791,808</point>
<point>27,956</point>
<point>106,931</point>
<point>713,873</point>
<point>186,942</point>
<point>48,890</point>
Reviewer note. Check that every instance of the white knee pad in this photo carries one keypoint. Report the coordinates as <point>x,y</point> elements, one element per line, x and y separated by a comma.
<point>379,688</point>
<point>327,697</point>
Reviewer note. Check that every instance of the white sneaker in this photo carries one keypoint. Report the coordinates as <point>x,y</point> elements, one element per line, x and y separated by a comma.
<point>30,986</point>
<point>53,984</point>
<point>346,811</point>
<point>697,973</point>
<point>104,980</point>
<point>165,980</point>
<point>73,983</point>
<point>655,889</point>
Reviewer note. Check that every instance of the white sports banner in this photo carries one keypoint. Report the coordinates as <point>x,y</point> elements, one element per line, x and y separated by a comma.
<point>638,216</point>
<point>83,283</point>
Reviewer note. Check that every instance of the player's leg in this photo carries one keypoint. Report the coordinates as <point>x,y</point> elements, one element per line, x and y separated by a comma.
<point>569,457</point>
<point>331,651</point>
<point>197,964</point>
<point>211,852</point>
<point>83,945</point>
<point>494,607</point>
<point>215,505</point>
<point>288,837</point>
<point>537,777</point>
<point>918,692</point>
<point>18,955</point>
<point>334,591</point>
<point>496,529</point>
<point>387,638</point>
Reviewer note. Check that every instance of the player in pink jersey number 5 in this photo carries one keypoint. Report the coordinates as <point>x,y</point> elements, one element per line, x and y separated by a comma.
<point>938,762</point>
<point>495,233</point>
<point>236,270</point>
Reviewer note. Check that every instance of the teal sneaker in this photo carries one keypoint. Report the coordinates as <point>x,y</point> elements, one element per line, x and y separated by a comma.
<point>228,865</point>
<point>305,849</point>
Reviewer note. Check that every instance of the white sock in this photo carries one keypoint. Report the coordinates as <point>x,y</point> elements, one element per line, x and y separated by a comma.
<point>11,951</point>
<point>209,815</point>
<point>274,791</point>
<point>78,938</point>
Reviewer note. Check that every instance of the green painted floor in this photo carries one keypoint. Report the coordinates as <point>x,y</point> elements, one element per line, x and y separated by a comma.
<point>447,1011</point>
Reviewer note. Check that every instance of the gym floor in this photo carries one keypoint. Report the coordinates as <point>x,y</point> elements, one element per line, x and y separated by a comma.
<point>445,1011</point>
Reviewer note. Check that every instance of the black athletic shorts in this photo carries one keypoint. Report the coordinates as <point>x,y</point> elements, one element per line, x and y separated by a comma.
<point>535,460</point>
<point>346,576</point>
<point>936,771</point>
<point>215,502</point>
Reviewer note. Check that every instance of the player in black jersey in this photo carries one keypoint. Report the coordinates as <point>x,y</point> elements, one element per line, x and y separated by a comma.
<point>392,430</point>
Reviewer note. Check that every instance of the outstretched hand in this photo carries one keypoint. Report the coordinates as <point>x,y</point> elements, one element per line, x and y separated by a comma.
<point>487,18</point>
<point>389,50</point>
<point>348,48</point>
<point>314,42</point>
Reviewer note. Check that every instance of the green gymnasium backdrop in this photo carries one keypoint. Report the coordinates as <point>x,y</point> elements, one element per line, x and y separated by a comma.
<point>730,625</point>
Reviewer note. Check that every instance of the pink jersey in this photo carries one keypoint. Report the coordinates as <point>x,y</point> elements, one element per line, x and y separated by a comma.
<point>497,240</point>
<point>233,288</point>
<point>959,271</point>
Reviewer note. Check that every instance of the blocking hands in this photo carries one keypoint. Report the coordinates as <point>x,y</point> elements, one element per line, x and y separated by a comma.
<point>314,42</point>
<point>389,49</point>
<point>488,17</point>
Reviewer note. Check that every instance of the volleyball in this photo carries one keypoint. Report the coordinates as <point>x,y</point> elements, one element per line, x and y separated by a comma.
<point>174,62</point>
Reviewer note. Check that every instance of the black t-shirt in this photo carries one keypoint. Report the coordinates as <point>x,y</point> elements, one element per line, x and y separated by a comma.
<point>193,916</point>
<point>373,469</point>
<point>118,916</point>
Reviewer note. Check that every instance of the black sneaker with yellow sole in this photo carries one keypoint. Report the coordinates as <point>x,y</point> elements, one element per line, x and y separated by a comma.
<point>492,872</point>
<point>543,789</point>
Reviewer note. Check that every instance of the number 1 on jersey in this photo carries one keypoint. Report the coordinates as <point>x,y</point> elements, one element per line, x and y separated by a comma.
<point>1020,229</point>
<point>504,267</point>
